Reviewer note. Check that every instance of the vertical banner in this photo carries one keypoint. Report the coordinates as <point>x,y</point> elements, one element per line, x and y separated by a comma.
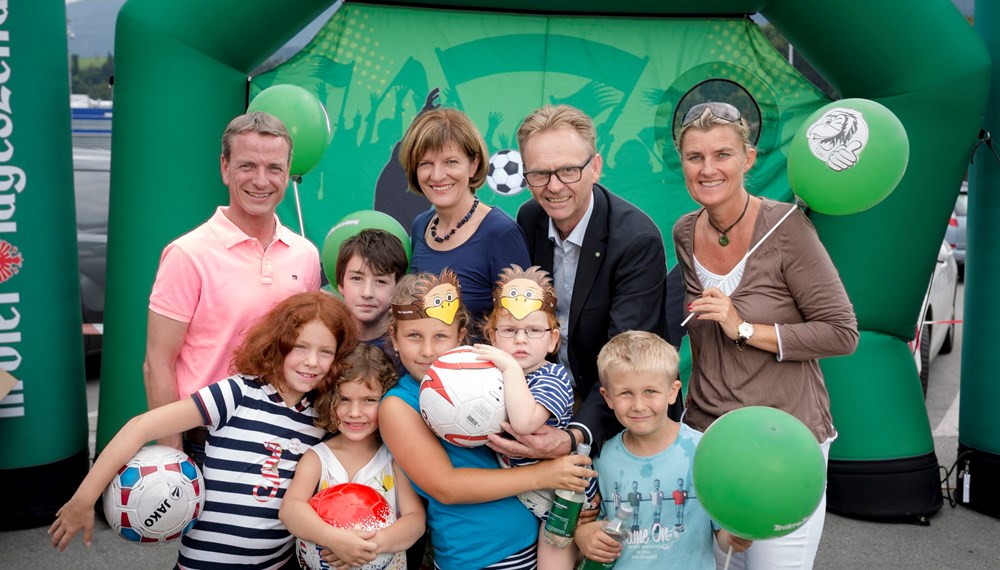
<point>43,416</point>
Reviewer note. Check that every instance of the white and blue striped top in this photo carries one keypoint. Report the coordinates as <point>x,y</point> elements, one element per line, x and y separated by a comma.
<point>254,443</point>
<point>551,388</point>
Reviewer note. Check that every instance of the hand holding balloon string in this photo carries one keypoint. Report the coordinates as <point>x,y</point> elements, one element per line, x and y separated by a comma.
<point>714,305</point>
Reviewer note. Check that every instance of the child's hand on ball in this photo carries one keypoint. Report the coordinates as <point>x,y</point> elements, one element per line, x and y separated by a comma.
<point>499,358</point>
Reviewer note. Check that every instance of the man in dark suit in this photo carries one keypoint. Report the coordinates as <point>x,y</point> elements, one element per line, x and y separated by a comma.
<point>606,258</point>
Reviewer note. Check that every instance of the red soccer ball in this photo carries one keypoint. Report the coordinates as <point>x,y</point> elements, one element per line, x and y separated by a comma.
<point>352,505</point>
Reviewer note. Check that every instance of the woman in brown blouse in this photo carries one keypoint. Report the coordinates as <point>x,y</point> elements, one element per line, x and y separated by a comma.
<point>766,303</point>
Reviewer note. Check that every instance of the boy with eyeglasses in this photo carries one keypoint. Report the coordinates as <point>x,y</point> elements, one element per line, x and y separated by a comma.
<point>523,330</point>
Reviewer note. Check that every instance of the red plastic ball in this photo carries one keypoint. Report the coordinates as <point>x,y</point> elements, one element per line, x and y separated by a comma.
<point>352,505</point>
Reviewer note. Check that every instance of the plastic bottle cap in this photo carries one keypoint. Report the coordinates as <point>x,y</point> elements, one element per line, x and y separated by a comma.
<point>583,449</point>
<point>624,512</point>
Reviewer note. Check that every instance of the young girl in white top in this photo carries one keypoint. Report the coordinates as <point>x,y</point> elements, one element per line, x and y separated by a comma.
<point>354,454</point>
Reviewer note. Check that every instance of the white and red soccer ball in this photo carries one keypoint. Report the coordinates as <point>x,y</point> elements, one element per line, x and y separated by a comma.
<point>155,497</point>
<point>347,506</point>
<point>461,398</point>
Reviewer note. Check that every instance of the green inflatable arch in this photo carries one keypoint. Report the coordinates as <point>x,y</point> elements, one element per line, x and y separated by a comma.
<point>181,74</point>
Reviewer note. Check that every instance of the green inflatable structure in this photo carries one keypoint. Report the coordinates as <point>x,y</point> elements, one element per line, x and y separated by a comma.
<point>43,412</point>
<point>182,72</point>
<point>978,429</point>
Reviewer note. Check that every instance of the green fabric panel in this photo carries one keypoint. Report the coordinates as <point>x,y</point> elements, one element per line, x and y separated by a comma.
<point>628,73</point>
<point>40,325</point>
<point>876,402</point>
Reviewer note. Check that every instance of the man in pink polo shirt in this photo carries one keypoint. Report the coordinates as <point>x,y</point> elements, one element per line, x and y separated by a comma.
<point>216,280</point>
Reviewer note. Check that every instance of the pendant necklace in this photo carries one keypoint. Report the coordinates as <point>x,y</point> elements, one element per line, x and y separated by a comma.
<point>434,223</point>
<point>723,238</point>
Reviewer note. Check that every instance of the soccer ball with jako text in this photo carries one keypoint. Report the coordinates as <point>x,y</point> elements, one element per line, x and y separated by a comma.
<point>461,398</point>
<point>505,174</point>
<point>155,497</point>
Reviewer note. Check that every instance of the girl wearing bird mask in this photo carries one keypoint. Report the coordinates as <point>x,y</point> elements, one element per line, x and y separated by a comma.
<point>474,519</point>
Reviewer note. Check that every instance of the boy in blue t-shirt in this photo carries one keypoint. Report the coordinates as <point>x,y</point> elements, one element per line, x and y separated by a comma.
<point>638,372</point>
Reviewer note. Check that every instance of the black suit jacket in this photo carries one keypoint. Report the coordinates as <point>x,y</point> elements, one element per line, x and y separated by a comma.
<point>620,285</point>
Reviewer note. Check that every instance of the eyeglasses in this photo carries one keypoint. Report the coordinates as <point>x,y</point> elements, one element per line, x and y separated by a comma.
<point>723,111</point>
<point>566,175</point>
<point>530,332</point>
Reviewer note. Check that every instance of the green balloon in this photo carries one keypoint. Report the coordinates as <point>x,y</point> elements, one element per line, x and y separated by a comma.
<point>759,472</point>
<point>848,156</point>
<point>351,225</point>
<point>304,117</point>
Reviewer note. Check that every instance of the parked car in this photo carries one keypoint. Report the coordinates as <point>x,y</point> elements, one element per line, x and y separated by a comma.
<point>935,332</point>
<point>955,234</point>
<point>92,184</point>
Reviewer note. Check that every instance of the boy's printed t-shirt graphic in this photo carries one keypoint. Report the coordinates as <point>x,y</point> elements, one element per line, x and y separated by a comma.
<point>681,536</point>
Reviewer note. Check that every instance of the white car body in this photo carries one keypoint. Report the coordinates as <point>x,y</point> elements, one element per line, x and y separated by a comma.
<point>935,332</point>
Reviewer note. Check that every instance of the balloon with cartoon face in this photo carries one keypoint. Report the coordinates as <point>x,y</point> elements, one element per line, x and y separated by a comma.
<point>847,157</point>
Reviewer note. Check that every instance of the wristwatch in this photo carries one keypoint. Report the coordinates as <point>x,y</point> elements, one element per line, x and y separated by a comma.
<point>744,332</point>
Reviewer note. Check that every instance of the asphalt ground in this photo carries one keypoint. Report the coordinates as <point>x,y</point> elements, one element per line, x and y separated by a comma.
<point>957,538</point>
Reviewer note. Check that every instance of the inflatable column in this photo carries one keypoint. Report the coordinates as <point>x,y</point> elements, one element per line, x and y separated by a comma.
<point>978,429</point>
<point>43,415</point>
<point>180,75</point>
<point>883,465</point>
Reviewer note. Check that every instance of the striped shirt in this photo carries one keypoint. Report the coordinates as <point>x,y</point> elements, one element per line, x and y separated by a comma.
<point>550,386</point>
<point>254,443</point>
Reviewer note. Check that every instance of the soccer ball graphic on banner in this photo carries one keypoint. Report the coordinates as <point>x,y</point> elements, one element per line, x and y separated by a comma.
<point>461,398</point>
<point>348,506</point>
<point>506,173</point>
<point>155,497</point>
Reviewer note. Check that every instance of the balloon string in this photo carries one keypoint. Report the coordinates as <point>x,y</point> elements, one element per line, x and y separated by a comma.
<point>729,557</point>
<point>298,207</point>
<point>752,249</point>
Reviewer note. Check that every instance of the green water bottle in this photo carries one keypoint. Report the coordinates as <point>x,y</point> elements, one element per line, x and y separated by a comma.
<point>617,528</point>
<point>565,512</point>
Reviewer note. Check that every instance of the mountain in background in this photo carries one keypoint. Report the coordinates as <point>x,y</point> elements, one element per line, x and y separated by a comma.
<point>92,28</point>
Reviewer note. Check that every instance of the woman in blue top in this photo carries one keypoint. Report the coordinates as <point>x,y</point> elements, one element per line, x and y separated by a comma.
<point>474,517</point>
<point>446,160</point>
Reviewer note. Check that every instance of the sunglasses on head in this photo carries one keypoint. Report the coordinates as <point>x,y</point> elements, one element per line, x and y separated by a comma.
<point>723,111</point>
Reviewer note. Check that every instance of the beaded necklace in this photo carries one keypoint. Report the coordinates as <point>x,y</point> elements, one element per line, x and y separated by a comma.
<point>434,223</point>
